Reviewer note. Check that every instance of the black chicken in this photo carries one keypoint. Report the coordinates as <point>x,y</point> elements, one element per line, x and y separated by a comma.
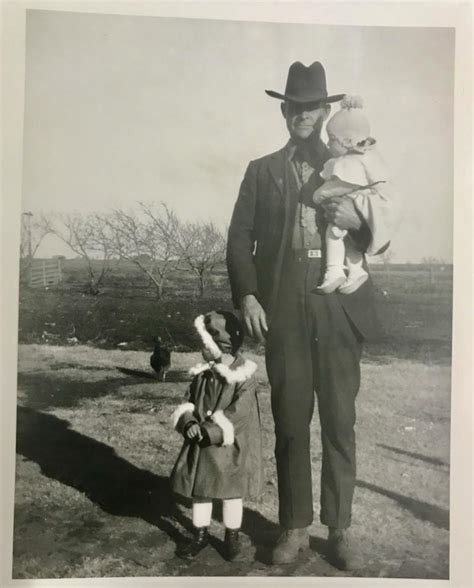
<point>160,359</point>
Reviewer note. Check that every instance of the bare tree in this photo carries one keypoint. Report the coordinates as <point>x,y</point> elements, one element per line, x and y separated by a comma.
<point>202,248</point>
<point>33,231</point>
<point>148,240</point>
<point>88,236</point>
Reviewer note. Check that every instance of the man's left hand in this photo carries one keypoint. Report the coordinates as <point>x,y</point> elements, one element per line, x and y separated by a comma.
<point>340,211</point>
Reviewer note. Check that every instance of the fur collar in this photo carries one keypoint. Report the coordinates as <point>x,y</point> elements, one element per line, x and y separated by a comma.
<point>238,371</point>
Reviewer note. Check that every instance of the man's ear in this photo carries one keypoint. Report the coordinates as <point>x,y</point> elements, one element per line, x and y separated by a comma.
<point>283,107</point>
<point>327,111</point>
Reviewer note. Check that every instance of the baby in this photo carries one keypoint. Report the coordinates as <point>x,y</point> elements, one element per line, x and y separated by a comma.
<point>353,171</point>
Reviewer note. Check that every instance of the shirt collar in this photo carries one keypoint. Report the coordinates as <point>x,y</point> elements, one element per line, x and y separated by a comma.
<point>316,153</point>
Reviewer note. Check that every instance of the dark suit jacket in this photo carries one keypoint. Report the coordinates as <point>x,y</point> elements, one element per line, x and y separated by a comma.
<point>259,232</point>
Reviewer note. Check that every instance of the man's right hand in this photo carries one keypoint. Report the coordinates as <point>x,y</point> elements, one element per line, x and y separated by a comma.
<point>254,317</point>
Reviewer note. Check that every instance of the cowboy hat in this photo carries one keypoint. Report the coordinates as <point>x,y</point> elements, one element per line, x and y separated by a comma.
<point>306,84</point>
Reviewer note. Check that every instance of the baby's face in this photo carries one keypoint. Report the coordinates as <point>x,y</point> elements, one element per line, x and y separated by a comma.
<point>335,147</point>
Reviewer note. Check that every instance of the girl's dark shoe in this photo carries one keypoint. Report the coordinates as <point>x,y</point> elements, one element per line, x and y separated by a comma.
<point>232,547</point>
<point>198,543</point>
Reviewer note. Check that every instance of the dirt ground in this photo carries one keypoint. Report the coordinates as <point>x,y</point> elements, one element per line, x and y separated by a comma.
<point>95,448</point>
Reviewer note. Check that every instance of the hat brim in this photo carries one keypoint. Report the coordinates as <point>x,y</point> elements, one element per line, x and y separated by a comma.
<point>299,100</point>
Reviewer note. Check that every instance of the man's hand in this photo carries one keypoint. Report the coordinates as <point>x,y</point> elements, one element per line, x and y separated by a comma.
<point>254,317</point>
<point>340,211</point>
<point>193,432</point>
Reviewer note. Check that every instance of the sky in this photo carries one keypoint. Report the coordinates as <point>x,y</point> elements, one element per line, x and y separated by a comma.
<point>120,109</point>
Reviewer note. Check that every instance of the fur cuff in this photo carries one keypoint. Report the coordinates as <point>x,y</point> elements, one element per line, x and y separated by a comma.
<point>206,338</point>
<point>197,369</point>
<point>178,413</point>
<point>225,425</point>
<point>240,374</point>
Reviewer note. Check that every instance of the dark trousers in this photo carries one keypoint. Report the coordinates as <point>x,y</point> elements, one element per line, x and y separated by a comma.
<point>312,347</point>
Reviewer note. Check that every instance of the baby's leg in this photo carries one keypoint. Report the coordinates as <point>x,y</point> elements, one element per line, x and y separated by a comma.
<point>334,275</point>
<point>356,274</point>
<point>335,249</point>
<point>354,259</point>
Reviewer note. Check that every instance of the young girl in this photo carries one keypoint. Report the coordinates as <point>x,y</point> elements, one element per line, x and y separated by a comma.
<point>353,171</point>
<point>220,422</point>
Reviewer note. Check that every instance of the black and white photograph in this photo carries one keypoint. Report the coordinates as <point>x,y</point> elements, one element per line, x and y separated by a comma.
<point>235,298</point>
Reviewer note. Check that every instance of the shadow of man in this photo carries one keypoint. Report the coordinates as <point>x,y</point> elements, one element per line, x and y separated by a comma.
<point>114,484</point>
<point>93,468</point>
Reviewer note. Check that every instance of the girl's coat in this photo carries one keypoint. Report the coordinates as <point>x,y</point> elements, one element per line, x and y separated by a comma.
<point>223,401</point>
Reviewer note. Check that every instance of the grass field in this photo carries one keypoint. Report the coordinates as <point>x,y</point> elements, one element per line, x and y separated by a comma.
<point>94,446</point>
<point>415,314</point>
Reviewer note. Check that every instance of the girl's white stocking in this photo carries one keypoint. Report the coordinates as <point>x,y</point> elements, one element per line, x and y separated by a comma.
<point>232,513</point>
<point>202,512</point>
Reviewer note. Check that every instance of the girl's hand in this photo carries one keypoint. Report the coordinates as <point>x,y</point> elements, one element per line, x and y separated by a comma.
<point>193,433</point>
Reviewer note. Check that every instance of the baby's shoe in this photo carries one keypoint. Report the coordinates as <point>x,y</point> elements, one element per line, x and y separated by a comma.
<point>353,282</point>
<point>198,543</point>
<point>333,278</point>
<point>232,547</point>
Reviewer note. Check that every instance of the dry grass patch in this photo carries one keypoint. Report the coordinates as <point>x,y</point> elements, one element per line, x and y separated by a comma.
<point>95,450</point>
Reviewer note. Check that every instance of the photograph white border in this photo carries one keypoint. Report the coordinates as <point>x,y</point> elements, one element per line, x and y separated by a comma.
<point>379,13</point>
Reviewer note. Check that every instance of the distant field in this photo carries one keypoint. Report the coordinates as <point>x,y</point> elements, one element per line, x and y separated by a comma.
<point>415,313</point>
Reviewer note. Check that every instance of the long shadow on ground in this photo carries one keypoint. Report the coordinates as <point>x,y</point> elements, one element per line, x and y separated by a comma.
<point>47,390</point>
<point>115,485</point>
<point>430,460</point>
<point>421,510</point>
<point>172,376</point>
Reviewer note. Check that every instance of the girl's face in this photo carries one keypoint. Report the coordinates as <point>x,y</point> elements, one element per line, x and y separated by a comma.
<point>335,147</point>
<point>207,355</point>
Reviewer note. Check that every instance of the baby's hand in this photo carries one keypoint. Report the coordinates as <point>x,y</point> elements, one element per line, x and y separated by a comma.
<point>193,433</point>
<point>332,188</point>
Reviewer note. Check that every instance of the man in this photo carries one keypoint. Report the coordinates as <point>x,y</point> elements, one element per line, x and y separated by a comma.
<point>275,259</point>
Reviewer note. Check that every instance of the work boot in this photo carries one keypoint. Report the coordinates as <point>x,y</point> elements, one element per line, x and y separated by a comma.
<point>198,543</point>
<point>232,547</point>
<point>341,553</point>
<point>289,544</point>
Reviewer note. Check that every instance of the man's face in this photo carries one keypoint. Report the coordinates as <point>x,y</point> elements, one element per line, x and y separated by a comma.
<point>302,120</point>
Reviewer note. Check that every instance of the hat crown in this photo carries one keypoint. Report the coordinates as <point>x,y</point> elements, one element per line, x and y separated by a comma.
<point>306,83</point>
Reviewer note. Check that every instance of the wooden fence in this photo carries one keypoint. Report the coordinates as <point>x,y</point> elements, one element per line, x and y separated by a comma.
<point>45,272</point>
